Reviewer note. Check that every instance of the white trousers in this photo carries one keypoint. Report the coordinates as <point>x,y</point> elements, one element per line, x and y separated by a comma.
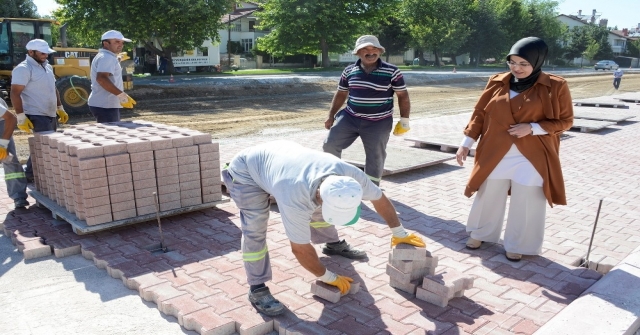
<point>524,233</point>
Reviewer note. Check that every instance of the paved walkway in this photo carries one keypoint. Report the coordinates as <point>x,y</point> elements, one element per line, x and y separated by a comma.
<point>201,281</point>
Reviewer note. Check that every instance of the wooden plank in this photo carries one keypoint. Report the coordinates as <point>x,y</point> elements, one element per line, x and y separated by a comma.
<point>590,125</point>
<point>446,141</point>
<point>601,104</point>
<point>80,227</point>
<point>602,114</point>
<point>399,159</point>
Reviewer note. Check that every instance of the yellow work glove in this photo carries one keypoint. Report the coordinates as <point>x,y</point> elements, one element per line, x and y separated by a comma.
<point>402,126</point>
<point>126,101</point>
<point>123,56</point>
<point>409,239</point>
<point>24,123</point>
<point>3,148</point>
<point>341,282</point>
<point>63,116</point>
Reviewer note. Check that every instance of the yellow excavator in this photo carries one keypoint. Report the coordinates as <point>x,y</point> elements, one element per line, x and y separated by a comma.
<point>71,66</point>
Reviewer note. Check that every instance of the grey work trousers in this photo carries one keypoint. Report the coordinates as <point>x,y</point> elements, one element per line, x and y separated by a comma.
<point>41,124</point>
<point>253,203</point>
<point>374,135</point>
<point>13,172</point>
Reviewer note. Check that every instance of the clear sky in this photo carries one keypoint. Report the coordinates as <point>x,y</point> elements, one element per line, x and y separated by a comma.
<point>621,13</point>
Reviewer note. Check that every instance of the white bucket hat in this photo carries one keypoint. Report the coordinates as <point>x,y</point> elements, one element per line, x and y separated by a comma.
<point>39,45</point>
<point>341,198</point>
<point>114,34</point>
<point>365,41</point>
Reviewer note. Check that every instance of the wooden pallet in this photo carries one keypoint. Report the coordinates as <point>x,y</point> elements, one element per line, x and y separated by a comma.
<point>80,227</point>
<point>399,159</point>
<point>601,104</point>
<point>446,141</point>
<point>590,125</point>
<point>601,114</point>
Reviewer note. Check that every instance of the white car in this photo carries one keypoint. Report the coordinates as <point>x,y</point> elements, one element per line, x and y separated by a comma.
<point>605,65</point>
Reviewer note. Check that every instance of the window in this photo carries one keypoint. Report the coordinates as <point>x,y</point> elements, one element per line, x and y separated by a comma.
<point>205,51</point>
<point>236,27</point>
<point>247,44</point>
<point>251,25</point>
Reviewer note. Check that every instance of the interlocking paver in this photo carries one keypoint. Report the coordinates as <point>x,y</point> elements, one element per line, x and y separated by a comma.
<point>506,298</point>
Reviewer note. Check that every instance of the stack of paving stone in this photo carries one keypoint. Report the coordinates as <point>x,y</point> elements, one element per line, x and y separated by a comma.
<point>331,293</point>
<point>109,172</point>
<point>438,289</point>
<point>408,265</point>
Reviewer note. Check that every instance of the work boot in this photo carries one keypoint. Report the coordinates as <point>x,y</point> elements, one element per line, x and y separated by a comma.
<point>21,203</point>
<point>343,249</point>
<point>265,303</point>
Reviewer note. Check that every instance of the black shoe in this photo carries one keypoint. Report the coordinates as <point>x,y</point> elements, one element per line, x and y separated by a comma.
<point>343,249</point>
<point>265,303</point>
<point>21,203</point>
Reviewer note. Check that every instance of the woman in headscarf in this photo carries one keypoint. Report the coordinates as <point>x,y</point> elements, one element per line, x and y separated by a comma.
<point>518,121</point>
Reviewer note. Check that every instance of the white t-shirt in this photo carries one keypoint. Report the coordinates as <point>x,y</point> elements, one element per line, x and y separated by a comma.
<point>105,61</point>
<point>292,174</point>
<point>39,94</point>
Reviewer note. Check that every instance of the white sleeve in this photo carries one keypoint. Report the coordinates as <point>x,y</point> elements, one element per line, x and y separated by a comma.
<point>537,130</point>
<point>467,142</point>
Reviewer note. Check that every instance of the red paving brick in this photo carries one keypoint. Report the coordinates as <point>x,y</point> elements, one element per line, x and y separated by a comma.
<point>201,281</point>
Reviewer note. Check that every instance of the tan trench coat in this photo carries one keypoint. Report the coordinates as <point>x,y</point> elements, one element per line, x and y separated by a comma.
<point>547,103</point>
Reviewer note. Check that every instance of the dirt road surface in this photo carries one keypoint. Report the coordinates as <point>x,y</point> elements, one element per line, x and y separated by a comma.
<point>251,110</point>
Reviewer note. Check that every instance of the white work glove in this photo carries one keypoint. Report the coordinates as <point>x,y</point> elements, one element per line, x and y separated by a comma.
<point>402,126</point>
<point>24,123</point>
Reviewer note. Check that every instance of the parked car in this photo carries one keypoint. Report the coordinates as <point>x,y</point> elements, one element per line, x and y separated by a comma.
<point>605,65</point>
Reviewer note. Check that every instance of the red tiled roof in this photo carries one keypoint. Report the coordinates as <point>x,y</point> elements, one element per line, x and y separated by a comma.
<point>237,14</point>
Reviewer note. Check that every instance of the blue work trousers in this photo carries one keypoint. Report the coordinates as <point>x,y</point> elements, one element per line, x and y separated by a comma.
<point>13,172</point>
<point>104,115</point>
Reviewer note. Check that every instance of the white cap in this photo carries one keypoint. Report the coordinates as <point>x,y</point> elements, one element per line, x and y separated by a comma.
<point>39,45</point>
<point>341,197</point>
<point>365,41</point>
<point>115,35</point>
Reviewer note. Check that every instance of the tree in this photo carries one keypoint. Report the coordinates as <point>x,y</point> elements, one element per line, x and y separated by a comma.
<point>487,38</point>
<point>592,50</point>
<point>579,41</point>
<point>437,25</point>
<point>18,9</point>
<point>392,35</point>
<point>315,26</point>
<point>163,26</point>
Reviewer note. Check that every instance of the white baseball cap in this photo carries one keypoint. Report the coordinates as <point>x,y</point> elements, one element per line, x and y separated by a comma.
<point>341,197</point>
<point>39,45</point>
<point>114,34</point>
<point>365,41</point>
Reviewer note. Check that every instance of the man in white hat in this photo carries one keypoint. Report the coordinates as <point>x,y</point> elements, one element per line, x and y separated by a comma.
<point>34,95</point>
<point>368,87</point>
<point>310,187</point>
<point>107,90</point>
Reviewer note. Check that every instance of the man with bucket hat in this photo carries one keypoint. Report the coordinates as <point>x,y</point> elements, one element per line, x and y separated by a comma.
<point>34,95</point>
<point>107,89</point>
<point>368,87</point>
<point>309,186</point>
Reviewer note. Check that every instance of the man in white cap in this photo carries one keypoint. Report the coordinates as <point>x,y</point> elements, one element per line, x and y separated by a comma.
<point>34,95</point>
<point>107,90</point>
<point>309,186</point>
<point>368,87</point>
<point>13,172</point>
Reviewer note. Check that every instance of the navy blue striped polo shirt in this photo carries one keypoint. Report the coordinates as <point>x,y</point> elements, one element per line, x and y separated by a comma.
<point>371,95</point>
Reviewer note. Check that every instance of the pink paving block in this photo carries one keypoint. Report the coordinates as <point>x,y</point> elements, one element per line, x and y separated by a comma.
<point>187,177</point>
<point>97,202</point>
<point>188,168</point>
<point>141,156</point>
<point>95,220</point>
<point>208,147</point>
<point>143,166</point>
<point>123,196</point>
<point>159,143</point>
<point>210,157</point>
<point>192,193</point>
<point>143,175</point>
<point>93,173</point>
<point>144,210</point>
<point>35,249</point>
<point>137,145</point>
<point>409,287</point>
<point>171,197</point>
<point>120,159</point>
<point>96,192</point>
<point>401,277</point>
<point>210,182</point>
<point>164,163</point>
<point>188,151</point>
<point>207,198</point>
<point>165,153</point>
<point>180,140</point>
<point>124,214</point>
<point>114,147</point>
<point>118,169</point>
<point>445,284</point>
<point>92,163</point>
<point>209,173</point>
<point>143,184</point>
<point>88,151</point>
<point>191,185</point>
<point>122,206</point>
<point>191,201</point>
<point>74,161</point>
<point>97,211</point>
<point>169,189</point>
<point>169,206</point>
<point>406,252</point>
<point>211,190</point>
<point>169,180</point>
<point>162,172</point>
<point>331,293</point>
<point>145,201</point>
<point>200,138</point>
<point>119,178</point>
<point>185,160</point>
<point>120,188</point>
<point>431,297</point>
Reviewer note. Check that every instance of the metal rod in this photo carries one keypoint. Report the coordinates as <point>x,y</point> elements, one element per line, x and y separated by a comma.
<point>593,233</point>
<point>155,195</point>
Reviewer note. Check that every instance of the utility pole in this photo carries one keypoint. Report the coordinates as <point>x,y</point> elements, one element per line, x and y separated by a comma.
<point>229,40</point>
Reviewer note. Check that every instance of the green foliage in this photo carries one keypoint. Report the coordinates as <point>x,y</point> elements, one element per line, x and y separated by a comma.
<point>18,9</point>
<point>633,48</point>
<point>391,34</point>
<point>315,26</point>
<point>592,50</point>
<point>487,38</point>
<point>235,47</point>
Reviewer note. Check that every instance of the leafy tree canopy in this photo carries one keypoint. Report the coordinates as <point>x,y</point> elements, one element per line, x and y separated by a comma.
<point>18,9</point>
